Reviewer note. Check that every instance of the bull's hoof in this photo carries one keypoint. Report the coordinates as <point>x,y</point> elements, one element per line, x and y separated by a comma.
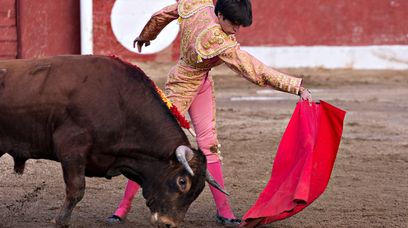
<point>227,222</point>
<point>59,224</point>
<point>114,219</point>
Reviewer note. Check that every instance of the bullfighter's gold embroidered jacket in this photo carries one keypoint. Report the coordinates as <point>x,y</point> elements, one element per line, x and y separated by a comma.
<point>205,45</point>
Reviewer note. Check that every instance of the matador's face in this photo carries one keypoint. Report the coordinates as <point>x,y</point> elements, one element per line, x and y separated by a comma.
<point>228,26</point>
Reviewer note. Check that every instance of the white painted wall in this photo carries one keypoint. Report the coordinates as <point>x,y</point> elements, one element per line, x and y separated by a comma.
<point>128,18</point>
<point>360,57</point>
<point>86,27</point>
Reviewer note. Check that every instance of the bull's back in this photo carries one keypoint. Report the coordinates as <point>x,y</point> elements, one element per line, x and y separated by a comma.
<point>37,96</point>
<point>50,80</point>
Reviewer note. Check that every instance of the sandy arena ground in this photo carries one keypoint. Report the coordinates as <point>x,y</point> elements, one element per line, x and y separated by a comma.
<point>368,186</point>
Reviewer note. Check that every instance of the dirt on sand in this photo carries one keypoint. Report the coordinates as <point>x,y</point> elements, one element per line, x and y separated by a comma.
<point>368,186</point>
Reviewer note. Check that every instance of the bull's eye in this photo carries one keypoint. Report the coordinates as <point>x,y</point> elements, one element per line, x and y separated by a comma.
<point>183,183</point>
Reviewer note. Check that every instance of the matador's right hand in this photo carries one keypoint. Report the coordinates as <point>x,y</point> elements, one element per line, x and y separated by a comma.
<point>305,94</point>
<point>140,43</point>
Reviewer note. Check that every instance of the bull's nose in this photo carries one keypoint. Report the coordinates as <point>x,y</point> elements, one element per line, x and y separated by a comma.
<point>155,218</point>
<point>162,221</point>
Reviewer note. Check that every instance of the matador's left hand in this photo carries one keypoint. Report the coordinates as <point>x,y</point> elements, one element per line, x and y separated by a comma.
<point>139,42</point>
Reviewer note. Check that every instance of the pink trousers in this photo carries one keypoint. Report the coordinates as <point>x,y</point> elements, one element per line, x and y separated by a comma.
<point>202,114</point>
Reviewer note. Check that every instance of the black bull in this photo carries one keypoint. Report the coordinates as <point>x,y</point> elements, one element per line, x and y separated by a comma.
<point>98,117</point>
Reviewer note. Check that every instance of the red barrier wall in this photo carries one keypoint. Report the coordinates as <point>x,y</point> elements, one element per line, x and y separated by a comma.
<point>8,31</point>
<point>52,27</point>
<point>48,27</point>
<point>322,22</point>
<point>290,23</point>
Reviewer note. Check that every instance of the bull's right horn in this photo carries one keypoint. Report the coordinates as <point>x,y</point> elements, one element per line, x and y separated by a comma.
<point>185,154</point>
<point>214,183</point>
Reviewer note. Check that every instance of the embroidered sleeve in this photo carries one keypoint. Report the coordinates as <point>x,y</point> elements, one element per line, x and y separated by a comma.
<point>255,71</point>
<point>158,21</point>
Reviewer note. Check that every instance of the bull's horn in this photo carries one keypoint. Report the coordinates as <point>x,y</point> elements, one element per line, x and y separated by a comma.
<point>185,154</point>
<point>214,183</point>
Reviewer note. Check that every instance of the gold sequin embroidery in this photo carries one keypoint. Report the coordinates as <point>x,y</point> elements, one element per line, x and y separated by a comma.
<point>188,8</point>
<point>213,41</point>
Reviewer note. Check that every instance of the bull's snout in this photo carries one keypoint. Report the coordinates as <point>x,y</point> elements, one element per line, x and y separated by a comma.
<point>162,221</point>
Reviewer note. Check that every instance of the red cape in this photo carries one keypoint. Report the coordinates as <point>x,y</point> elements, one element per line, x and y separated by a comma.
<point>303,163</point>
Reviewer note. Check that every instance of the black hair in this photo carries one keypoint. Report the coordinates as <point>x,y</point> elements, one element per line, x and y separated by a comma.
<point>237,11</point>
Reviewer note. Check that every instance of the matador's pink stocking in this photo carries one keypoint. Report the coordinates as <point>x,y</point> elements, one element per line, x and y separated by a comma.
<point>126,203</point>
<point>221,200</point>
<point>202,113</point>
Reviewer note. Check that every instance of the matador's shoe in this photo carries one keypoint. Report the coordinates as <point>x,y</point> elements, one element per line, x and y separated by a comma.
<point>114,219</point>
<point>227,222</point>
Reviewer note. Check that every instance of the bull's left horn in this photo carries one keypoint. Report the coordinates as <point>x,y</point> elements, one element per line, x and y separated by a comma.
<point>185,154</point>
<point>214,183</point>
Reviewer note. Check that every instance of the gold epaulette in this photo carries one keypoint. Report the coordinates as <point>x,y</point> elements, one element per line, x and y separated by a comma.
<point>213,41</point>
<point>187,8</point>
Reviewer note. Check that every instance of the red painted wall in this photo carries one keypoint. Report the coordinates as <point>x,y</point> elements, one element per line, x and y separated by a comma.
<point>323,22</point>
<point>290,23</point>
<point>8,32</point>
<point>48,27</point>
<point>52,27</point>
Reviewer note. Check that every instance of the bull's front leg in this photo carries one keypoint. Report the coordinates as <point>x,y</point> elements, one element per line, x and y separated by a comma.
<point>74,177</point>
<point>72,145</point>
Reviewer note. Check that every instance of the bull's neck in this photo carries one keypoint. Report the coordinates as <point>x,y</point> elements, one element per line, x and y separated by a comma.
<point>141,169</point>
<point>155,130</point>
